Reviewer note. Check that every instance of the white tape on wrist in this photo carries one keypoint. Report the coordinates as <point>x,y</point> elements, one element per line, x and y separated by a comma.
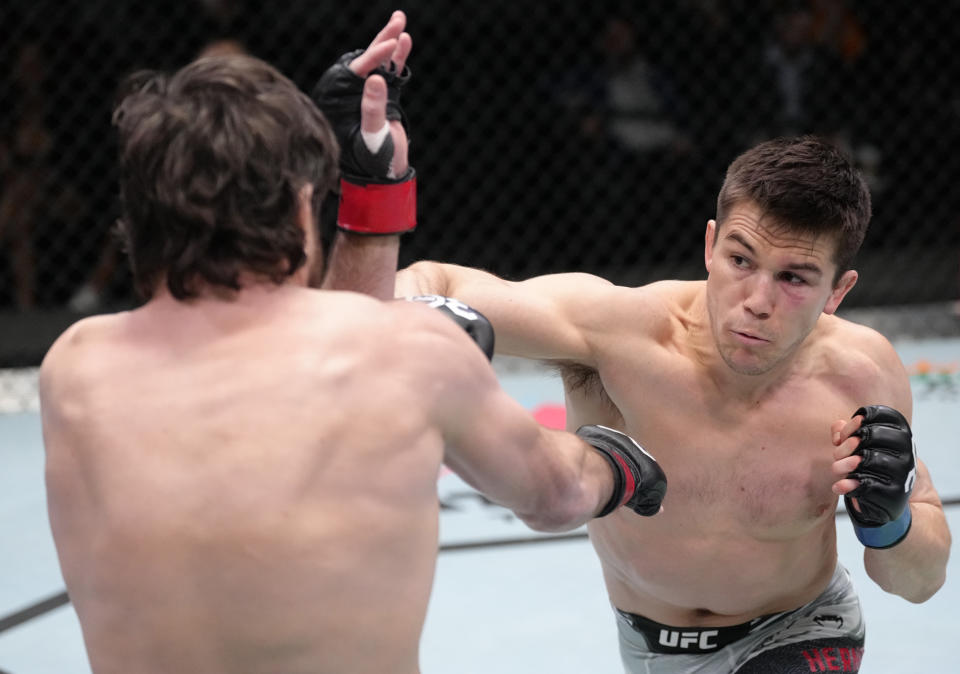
<point>374,139</point>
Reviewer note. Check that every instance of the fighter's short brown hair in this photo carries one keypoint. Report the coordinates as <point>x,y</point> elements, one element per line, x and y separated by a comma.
<point>804,184</point>
<point>212,160</point>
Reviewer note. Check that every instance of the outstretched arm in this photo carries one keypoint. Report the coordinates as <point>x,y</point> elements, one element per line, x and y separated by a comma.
<point>360,260</point>
<point>546,317</point>
<point>553,480</point>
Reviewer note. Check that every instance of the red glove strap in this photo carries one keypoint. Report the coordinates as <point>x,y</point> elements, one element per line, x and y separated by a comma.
<point>630,484</point>
<point>378,209</point>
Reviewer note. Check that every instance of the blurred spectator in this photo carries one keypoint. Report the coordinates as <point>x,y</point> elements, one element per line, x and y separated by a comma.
<point>797,66</point>
<point>31,190</point>
<point>24,150</point>
<point>835,26</point>
<point>624,114</point>
<point>556,107</point>
<point>91,296</point>
<point>640,99</point>
<point>812,57</point>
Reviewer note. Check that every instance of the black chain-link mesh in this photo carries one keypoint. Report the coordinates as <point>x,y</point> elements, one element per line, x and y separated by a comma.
<point>548,135</point>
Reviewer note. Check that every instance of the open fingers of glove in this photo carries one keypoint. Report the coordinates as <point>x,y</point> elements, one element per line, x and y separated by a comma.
<point>847,447</point>
<point>845,466</point>
<point>373,109</point>
<point>383,47</point>
<point>844,486</point>
<point>885,438</point>
<point>374,126</point>
<point>842,431</point>
<point>373,58</point>
<point>402,51</point>
<point>855,504</point>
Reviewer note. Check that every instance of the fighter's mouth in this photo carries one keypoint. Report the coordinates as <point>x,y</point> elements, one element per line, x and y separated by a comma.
<point>750,338</point>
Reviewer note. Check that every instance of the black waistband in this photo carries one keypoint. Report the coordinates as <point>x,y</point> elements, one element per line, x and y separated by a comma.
<point>669,639</point>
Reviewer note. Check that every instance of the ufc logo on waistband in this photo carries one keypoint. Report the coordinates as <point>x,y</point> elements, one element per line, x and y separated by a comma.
<point>700,640</point>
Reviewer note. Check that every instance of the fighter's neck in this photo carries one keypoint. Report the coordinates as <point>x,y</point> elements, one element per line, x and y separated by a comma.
<point>254,302</point>
<point>733,385</point>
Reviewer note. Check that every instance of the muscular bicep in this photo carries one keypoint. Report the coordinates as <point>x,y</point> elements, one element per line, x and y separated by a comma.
<point>546,317</point>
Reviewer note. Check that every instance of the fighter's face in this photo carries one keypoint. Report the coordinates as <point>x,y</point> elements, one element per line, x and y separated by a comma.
<point>766,288</point>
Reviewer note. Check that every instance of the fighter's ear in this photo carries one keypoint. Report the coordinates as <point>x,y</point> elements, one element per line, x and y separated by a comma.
<point>709,239</point>
<point>847,280</point>
<point>305,208</point>
<point>309,273</point>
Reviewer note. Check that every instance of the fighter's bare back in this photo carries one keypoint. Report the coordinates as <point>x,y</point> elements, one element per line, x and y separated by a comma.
<point>216,418</point>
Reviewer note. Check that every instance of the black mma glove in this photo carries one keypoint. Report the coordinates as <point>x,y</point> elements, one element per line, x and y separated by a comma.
<point>886,474</point>
<point>472,321</point>
<point>371,201</point>
<point>638,481</point>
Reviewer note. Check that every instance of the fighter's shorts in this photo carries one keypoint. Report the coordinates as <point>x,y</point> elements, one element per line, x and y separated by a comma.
<point>826,635</point>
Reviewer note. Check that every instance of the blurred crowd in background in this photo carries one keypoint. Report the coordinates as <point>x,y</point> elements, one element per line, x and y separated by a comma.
<point>548,135</point>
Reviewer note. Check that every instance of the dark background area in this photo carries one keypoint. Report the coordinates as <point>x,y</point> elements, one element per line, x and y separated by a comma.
<point>547,135</point>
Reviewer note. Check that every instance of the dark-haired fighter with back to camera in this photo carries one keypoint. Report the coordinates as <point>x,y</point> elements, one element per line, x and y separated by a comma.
<point>241,473</point>
<point>761,405</point>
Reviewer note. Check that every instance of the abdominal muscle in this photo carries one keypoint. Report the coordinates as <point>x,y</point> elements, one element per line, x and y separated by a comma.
<point>687,576</point>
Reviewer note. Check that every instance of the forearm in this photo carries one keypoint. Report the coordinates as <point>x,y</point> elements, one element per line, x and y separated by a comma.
<point>573,492</point>
<point>636,480</point>
<point>364,264</point>
<point>915,568</point>
<point>550,479</point>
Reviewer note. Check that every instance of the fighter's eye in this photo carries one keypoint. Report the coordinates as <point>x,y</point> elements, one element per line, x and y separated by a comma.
<point>793,279</point>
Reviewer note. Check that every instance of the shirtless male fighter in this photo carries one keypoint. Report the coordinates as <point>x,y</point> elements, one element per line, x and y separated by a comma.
<point>760,404</point>
<point>241,472</point>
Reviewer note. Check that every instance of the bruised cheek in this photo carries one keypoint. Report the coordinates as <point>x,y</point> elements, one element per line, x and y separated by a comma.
<point>802,307</point>
<point>797,295</point>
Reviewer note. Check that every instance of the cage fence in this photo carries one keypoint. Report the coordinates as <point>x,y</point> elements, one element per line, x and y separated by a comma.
<point>548,135</point>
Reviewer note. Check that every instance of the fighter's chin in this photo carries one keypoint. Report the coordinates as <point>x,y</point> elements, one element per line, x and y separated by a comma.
<point>748,365</point>
<point>751,370</point>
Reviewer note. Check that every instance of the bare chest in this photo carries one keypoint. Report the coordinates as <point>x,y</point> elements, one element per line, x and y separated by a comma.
<point>769,482</point>
<point>760,469</point>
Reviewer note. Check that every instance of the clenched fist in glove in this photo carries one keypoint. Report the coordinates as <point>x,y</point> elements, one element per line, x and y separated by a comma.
<point>879,468</point>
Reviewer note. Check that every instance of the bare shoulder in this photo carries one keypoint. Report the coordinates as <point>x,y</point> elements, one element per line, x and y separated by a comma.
<point>72,356</point>
<point>865,363</point>
<point>662,308</point>
<point>434,348</point>
<point>84,334</point>
<point>631,316</point>
<point>670,297</point>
